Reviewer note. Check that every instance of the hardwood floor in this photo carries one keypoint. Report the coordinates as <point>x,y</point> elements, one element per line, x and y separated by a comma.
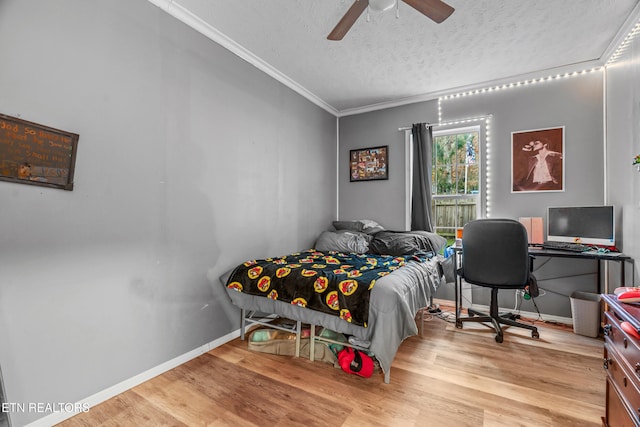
<point>445,377</point>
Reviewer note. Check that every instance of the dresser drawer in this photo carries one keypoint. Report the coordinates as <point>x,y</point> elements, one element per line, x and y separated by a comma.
<point>617,413</point>
<point>626,345</point>
<point>624,383</point>
<point>622,361</point>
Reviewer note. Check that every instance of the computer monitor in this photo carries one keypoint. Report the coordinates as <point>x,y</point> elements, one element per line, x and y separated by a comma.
<point>589,225</point>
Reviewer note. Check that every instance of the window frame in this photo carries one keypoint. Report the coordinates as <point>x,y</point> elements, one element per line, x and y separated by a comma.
<point>458,197</point>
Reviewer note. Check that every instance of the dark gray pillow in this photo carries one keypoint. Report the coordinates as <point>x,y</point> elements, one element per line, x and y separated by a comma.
<point>437,241</point>
<point>406,242</point>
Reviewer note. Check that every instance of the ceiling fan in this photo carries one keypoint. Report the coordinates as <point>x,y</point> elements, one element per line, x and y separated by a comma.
<point>436,10</point>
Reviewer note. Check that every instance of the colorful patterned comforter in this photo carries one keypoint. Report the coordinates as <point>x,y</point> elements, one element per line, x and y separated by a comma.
<point>330,282</point>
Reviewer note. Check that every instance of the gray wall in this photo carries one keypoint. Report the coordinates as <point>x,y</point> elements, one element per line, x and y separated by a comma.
<point>623,140</point>
<point>576,103</point>
<point>381,201</point>
<point>189,162</point>
<point>4,415</point>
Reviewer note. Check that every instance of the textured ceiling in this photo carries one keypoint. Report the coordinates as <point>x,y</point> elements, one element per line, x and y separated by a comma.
<point>386,60</point>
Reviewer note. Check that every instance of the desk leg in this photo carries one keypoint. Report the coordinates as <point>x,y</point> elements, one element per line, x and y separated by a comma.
<point>599,281</point>
<point>457,284</point>
<point>457,298</point>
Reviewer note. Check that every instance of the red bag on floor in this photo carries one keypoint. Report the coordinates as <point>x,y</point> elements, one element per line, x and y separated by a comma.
<point>355,362</point>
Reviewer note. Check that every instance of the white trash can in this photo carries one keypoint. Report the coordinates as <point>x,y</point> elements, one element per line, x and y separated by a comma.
<point>585,311</point>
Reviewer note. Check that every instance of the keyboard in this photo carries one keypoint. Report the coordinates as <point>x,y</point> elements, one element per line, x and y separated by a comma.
<point>564,246</point>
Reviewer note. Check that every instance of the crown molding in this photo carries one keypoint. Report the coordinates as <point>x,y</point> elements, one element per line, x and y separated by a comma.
<point>184,15</point>
<point>179,12</point>
<point>579,66</point>
<point>625,29</point>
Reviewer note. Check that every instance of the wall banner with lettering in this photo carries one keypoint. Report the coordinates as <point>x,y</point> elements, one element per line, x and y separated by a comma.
<point>34,154</point>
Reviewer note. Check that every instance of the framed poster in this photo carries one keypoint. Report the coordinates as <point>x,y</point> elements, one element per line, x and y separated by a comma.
<point>367,164</point>
<point>537,160</point>
<point>34,154</point>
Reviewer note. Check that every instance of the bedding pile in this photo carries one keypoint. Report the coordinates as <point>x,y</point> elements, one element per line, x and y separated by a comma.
<point>359,280</point>
<point>334,283</point>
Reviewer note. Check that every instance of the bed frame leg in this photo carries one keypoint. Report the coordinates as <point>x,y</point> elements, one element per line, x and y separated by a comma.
<point>242,323</point>
<point>312,343</point>
<point>298,333</point>
<point>421,315</point>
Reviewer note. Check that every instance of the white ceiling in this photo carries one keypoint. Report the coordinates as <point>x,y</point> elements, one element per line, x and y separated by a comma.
<point>389,61</point>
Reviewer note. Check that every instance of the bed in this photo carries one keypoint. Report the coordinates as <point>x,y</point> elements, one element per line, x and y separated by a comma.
<point>396,275</point>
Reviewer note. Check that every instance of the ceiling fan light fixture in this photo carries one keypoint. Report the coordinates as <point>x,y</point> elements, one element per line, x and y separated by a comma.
<point>436,10</point>
<point>381,5</point>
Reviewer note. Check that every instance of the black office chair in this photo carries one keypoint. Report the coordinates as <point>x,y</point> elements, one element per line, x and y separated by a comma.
<point>495,255</point>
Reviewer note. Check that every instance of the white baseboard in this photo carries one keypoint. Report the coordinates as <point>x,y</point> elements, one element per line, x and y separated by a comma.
<point>101,396</point>
<point>528,314</point>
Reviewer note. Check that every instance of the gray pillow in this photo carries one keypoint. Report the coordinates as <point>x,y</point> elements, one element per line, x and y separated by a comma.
<point>343,241</point>
<point>364,225</point>
<point>370,227</point>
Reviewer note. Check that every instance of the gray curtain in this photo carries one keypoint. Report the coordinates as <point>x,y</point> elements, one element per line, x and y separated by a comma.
<point>421,194</point>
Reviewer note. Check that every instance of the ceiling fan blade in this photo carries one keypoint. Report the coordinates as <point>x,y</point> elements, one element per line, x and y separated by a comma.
<point>436,10</point>
<point>348,20</point>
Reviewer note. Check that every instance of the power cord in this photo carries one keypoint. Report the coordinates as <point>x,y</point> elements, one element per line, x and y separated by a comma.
<point>521,294</point>
<point>430,313</point>
<point>447,316</point>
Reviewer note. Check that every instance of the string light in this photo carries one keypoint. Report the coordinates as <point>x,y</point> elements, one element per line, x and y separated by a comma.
<point>487,150</point>
<point>514,85</point>
<point>624,44</point>
<point>487,119</point>
<point>462,121</point>
<point>486,154</point>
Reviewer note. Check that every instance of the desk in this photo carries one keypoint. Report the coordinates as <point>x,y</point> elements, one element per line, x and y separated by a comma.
<point>537,251</point>
<point>600,257</point>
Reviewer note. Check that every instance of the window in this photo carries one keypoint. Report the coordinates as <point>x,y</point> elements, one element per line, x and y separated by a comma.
<point>455,179</point>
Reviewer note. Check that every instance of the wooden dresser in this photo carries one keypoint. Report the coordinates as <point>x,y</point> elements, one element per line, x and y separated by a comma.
<point>622,362</point>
